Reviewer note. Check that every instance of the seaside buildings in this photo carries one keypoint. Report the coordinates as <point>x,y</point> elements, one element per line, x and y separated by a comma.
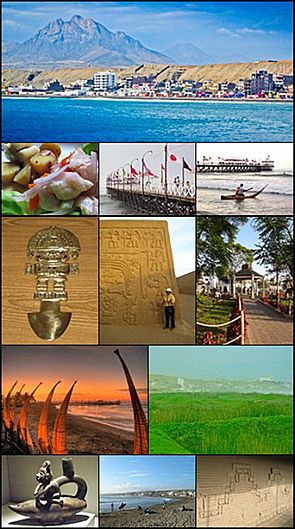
<point>161,84</point>
<point>104,80</point>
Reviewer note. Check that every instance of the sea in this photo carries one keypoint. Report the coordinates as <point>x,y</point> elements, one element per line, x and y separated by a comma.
<point>276,199</point>
<point>118,416</point>
<point>93,119</point>
<point>131,501</point>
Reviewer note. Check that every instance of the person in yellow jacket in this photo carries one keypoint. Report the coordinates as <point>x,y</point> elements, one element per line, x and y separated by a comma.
<point>169,305</point>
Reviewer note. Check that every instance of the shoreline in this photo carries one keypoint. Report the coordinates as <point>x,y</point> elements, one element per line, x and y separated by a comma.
<point>171,517</point>
<point>84,436</point>
<point>164,99</point>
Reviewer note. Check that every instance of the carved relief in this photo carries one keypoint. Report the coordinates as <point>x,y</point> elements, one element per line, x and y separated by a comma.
<point>136,267</point>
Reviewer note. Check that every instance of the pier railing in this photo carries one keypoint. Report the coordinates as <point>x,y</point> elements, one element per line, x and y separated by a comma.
<point>170,201</point>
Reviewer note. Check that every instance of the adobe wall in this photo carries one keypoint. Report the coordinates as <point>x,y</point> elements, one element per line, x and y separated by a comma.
<point>235,491</point>
<point>136,266</point>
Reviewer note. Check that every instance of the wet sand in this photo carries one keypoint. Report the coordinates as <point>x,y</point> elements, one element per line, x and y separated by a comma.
<point>84,436</point>
<point>171,517</point>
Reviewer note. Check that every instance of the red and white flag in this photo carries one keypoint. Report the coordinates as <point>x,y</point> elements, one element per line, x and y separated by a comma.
<point>173,158</point>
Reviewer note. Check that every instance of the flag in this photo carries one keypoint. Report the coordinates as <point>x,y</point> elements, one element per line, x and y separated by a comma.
<point>133,171</point>
<point>173,158</point>
<point>148,171</point>
<point>185,165</point>
<point>123,172</point>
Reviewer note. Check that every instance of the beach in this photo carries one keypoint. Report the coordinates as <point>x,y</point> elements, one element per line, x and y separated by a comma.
<point>84,436</point>
<point>171,517</point>
<point>113,120</point>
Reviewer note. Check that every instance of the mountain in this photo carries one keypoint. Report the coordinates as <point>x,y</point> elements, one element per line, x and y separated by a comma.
<point>8,46</point>
<point>263,385</point>
<point>189,54</point>
<point>81,41</point>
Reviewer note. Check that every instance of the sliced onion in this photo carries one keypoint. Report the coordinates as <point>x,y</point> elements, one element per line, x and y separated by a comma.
<point>39,185</point>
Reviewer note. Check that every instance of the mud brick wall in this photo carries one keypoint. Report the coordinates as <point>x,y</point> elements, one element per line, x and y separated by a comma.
<point>136,266</point>
<point>235,491</point>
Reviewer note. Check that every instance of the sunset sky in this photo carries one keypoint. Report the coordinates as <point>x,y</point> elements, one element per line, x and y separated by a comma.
<point>97,369</point>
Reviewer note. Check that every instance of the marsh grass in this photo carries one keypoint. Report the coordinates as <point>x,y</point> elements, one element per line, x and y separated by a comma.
<point>225,423</point>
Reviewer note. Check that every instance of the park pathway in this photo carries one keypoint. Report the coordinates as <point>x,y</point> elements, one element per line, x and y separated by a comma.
<point>266,326</point>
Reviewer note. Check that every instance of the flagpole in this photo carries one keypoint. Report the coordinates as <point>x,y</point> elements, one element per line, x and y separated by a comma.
<point>142,168</point>
<point>182,171</point>
<point>166,171</point>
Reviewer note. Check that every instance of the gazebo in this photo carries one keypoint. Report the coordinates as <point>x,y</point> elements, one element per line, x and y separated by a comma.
<point>248,280</point>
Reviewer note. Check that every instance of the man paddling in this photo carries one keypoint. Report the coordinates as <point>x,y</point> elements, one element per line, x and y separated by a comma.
<point>240,190</point>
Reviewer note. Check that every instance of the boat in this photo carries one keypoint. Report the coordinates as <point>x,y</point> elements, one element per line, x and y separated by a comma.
<point>241,197</point>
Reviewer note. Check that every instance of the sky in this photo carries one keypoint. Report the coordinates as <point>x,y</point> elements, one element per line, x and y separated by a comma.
<point>234,362</point>
<point>182,238</point>
<point>280,153</point>
<point>114,156</point>
<point>120,474</point>
<point>248,237</point>
<point>97,369</point>
<point>225,31</point>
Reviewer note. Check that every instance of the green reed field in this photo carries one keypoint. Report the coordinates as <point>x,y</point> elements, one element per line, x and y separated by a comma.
<point>223,423</point>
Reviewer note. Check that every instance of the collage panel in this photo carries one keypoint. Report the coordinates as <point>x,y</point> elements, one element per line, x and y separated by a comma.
<point>74,400</point>
<point>245,491</point>
<point>147,178</point>
<point>147,491</point>
<point>50,280</point>
<point>228,174</point>
<point>147,275</point>
<point>244,277</point>
<point>223,400</point>
<point>49,178</point>
<point>60,491</point>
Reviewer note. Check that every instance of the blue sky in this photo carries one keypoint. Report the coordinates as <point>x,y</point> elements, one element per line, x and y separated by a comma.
<point>234,362</point>
<point>226,31</point>
<point>119,474</point>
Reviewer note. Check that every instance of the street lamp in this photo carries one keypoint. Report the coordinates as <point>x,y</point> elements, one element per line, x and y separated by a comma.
<point>122,167</point>
<point>131,171</point>
<point>143,166</point>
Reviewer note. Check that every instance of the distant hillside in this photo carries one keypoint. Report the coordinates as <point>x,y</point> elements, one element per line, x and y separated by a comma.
<point>264,385</point>
<point>215,72</point>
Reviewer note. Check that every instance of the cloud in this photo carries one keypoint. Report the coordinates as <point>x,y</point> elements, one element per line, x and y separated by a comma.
<point>226,32</point>
<point>248,31</point>
<point>243,31</point>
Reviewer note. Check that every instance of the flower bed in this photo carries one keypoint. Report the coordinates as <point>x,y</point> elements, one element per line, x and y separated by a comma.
<point>283,305</point>
<point>211,311</point>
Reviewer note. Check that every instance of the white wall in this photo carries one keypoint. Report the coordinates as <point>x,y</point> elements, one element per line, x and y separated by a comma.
<point>22,471</point>
<point>242,491</point>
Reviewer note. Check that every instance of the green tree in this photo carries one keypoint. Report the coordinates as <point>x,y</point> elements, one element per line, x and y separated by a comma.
<point>215,243</point>
<point>275,247</point>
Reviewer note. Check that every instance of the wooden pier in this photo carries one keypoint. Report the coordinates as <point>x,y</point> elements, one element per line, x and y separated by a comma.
<point>238,167</point>
<point>156,203</point>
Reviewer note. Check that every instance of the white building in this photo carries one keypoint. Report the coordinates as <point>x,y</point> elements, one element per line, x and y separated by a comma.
<point>104,80</point>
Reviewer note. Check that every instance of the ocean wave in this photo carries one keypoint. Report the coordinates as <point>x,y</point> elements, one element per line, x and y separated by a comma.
<point>275,188</point>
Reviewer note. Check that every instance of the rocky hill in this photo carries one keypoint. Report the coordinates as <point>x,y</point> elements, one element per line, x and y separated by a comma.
<point>215,72</point>
<point>79,41</point>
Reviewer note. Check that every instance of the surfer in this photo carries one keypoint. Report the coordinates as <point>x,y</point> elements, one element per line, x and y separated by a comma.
<point>240,190</point>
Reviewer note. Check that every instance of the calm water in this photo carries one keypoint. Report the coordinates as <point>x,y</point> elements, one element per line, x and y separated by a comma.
<point>131,501</point>
<point>120,416</point>
<point>276,199</point>
<point>84,120</point>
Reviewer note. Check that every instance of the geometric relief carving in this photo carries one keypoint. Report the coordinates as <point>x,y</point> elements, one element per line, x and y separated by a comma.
<point>136,267</point>
<point>241,479</point>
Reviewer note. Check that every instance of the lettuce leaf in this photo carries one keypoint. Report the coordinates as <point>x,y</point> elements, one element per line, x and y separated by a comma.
<point>10,206</point>
<point>87,148</point>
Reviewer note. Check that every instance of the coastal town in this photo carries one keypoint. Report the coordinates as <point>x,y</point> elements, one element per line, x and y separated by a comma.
<point>165,82</point>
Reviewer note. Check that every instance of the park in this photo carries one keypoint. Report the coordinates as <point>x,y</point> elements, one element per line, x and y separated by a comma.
<point>244,280</point>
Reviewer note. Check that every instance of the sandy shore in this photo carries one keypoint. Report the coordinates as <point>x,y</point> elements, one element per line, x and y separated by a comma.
<point>84,436</point>
<point>171,517</point>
